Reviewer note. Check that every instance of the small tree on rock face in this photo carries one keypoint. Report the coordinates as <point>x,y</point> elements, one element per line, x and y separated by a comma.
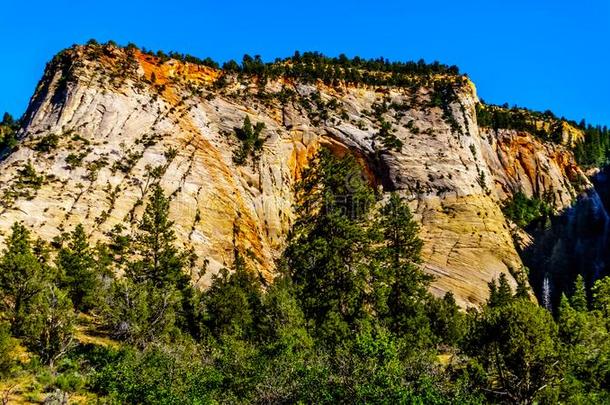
<point>8,129</point>
<point>7,119</point>
<point>523,288</point>
<point>22,277</point>
<point>251,141</point>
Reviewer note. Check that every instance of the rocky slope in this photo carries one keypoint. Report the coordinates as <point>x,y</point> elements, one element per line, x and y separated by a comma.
<point>105,123</point>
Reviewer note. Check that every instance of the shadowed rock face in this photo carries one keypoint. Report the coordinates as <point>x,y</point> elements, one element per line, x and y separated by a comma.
<point>124,120</point>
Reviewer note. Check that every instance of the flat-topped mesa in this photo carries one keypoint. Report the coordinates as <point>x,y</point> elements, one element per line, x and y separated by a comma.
<point>112,121</point>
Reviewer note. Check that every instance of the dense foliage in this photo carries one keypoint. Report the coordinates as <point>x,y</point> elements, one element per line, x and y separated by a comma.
<point>312,66</point>
<point>349,318</point>
<point>524,211</point>
<point>595,150</point>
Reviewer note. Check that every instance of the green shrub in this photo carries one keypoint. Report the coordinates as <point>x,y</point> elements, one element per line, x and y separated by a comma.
<point>28,177</point>
<point>523,211</point>
<point>251,142</point>
<point>75,160</point>
<point>7,346</point>
<point>50,325</point>
<point>47,143</point>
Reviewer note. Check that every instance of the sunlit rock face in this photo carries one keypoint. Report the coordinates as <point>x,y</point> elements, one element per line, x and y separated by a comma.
<point>124,120</point>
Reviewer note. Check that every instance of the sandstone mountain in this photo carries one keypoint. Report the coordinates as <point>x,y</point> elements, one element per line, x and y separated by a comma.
<point>105,123</point>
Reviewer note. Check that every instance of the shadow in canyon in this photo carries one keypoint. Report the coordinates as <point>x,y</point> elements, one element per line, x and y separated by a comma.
<point>575,242</point>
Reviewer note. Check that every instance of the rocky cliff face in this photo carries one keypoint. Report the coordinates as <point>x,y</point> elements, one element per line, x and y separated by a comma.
<point>106,123</point>
<point>521,162</point>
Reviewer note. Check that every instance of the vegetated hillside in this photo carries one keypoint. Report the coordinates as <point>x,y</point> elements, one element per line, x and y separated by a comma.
<point>357,186</point>
<point>228,145</point>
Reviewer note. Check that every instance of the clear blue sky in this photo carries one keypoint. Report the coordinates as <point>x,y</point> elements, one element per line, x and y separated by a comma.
<point>540,54</point>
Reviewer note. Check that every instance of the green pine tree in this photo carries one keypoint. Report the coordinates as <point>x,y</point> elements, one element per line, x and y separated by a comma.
<point>523,288</point>
<point>22,277</point>
<point>158,260</point>
<point>282,324</point>
<point>447,321</point>
<point>585,350</point>
<point>329,251</point>
<point>233,302</point>
<point>140,313</point>
<point>578,300</point>
<point>399,258</point>
<point>78,266</point>
<point>500,294</point>
<point>601,297</point>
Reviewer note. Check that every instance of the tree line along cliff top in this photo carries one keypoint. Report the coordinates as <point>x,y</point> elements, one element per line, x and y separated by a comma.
<point>304,67</point>
<point>590,144</point>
